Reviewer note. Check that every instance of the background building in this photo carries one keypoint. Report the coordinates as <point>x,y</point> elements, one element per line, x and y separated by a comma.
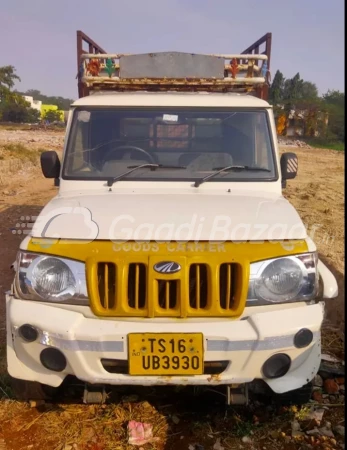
<point>42,108</point>
<point>35,104</point>
<point>47,108</point>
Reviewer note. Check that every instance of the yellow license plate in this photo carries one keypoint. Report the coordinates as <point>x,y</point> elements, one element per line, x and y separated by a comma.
<point>166,353</point>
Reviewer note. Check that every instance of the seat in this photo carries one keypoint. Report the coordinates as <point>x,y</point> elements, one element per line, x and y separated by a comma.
<point>205,161</point>
<point>113,168</point>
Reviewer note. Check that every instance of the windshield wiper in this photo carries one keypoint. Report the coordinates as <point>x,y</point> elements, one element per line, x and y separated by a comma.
<point>161,166</point>
<point>219,170</point>
<point>112,180</point>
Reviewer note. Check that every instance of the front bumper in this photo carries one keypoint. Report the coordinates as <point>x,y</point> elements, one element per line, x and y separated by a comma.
<point>246,343</point>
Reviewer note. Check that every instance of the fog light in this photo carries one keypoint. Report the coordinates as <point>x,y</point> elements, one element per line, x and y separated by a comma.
<point>276,366</point>
<point>53,359</point>
<point>303,338</point>
<point>28,333</point>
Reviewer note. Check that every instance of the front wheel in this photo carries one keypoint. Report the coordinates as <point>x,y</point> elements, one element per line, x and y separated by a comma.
<point>31,390</point>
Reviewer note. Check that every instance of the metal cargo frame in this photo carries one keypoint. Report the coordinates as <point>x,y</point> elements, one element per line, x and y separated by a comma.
<point>100,71</point>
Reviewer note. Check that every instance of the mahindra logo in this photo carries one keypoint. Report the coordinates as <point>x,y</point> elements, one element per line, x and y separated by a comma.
<point>167,267</point>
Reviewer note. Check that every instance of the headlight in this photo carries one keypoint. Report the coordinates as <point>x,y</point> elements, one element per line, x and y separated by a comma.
<point>286,279</point>
<point>50,279</point>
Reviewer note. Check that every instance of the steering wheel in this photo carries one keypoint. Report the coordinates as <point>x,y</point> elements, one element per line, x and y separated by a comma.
<point>150,158</point>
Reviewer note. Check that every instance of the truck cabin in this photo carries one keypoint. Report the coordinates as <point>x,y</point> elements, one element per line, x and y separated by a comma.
<point>185,142</point>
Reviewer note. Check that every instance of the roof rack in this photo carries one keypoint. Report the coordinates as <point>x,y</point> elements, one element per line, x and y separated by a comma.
<point>173,71</point>
<point>187,72</point>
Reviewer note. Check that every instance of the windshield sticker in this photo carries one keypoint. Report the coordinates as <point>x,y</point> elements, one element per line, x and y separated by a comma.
<point>83,116</point>
<point>170,118</point>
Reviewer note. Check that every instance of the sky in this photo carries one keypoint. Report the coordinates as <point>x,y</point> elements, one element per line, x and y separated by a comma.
<point>39,37</point>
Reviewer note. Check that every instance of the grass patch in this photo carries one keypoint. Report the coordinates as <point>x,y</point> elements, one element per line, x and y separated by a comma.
<point>30,127</point>
<point>16,158</point>
<point>107,425</point>
<point>338,146</point>
<point>19,151</point>
<point>14,126</point>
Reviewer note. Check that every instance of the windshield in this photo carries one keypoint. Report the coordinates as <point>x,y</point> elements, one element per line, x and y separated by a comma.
<point>105,143</point>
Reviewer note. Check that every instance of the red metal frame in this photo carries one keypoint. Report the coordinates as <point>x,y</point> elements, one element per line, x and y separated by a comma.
<point>262,92</point>
<point>92,48</point>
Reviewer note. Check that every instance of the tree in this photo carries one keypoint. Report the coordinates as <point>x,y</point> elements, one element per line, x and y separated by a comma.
<point>298,99</point>
<point>335,98</point>
<point>33,93</point>
<point>292,89</point>
<point>62,103</point>
<point>334,102</point>
<point>52,116</point>
<point>33,115</point>
<point>13,107</point>
<point>276,88</point>
<point>8,77</point>
<point>20,113</point>
<point>309,90</point>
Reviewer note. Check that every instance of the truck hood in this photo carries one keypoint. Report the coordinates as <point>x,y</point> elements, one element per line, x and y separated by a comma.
<point>190,216</point>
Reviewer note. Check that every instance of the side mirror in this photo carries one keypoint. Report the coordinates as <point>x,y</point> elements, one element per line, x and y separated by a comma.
<point>50,164</point>
<point>289,167</point>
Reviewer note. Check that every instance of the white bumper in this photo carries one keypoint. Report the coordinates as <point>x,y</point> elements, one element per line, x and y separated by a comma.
<point>245,343</point>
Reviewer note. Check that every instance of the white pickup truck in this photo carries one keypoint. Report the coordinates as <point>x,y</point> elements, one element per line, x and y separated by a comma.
<point>169,255</point>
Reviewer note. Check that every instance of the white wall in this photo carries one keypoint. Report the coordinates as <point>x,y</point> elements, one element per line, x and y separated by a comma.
<point>35,104</point>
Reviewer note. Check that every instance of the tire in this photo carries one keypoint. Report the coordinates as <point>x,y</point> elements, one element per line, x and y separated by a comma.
<point>297,397</point>
<point>31,390</point>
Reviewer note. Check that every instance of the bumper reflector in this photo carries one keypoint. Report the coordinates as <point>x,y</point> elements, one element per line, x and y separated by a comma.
<point>28,333</point>
<point>53,359</point>
<point>303,338</point>
<point>276,366</point>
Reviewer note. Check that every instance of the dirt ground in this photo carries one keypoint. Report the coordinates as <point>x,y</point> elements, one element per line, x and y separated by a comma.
<point>318,195</point>
<point>181,419</point>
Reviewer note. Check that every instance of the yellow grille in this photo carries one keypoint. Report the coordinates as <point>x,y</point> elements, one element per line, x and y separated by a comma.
<point>135,289</point>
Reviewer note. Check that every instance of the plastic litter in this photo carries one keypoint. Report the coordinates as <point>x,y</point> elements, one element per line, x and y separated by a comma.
<point>140,433</point>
